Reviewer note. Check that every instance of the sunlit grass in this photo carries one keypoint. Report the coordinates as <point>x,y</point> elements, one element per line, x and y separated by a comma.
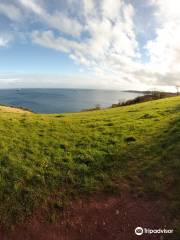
<point>71,154</point>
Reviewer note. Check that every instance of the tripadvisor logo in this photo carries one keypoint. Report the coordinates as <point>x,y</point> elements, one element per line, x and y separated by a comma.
<point>140,231</point>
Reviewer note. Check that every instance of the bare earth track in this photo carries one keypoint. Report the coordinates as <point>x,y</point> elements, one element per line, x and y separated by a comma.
<point>100,217</point>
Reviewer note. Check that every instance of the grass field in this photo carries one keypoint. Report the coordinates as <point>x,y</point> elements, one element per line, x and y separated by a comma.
<point>56,157</point>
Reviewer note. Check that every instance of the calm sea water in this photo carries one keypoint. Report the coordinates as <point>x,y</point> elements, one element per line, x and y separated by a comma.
<point>62,100</point>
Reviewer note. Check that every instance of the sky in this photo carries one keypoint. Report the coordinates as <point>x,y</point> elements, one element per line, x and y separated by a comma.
<point>104,44</point>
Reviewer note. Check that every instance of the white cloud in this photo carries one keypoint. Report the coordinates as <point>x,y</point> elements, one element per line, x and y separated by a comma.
<point>10,11</point>
<point>89,6</point>
<point>110,45</point>
<point>164,50</point>
<point>56,20</point>
<point>63,23</point>
<point>101,36</point>
<point>51,80</point>
<point>47,39</point>
<point>33,6</point>
<point>5,40</point>
<point>111,9</point>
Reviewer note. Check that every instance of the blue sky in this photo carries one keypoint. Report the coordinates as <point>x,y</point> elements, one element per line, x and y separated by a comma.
<point>108,44</point>
<point>32,58</point>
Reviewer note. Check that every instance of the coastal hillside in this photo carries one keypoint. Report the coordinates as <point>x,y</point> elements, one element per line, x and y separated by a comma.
<point>7,109</point>
<point>47,161</point>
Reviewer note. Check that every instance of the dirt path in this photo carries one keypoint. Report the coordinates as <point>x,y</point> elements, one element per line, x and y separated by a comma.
<point>102,217</point>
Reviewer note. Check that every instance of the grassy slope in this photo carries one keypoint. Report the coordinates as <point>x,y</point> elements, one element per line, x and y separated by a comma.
<point>89,151</point>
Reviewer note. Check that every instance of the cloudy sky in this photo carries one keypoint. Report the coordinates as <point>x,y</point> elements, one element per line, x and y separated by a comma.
<point>108,44</point>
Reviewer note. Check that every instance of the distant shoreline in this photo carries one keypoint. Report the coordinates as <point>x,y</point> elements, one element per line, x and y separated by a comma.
<point>16,107</point>
<point>85,89</point>
<point>149,92</point>
<point>8,108</point>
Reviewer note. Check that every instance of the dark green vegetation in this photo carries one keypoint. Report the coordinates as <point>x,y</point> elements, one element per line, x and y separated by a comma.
<point>148,96</point>
<point>56,157</point>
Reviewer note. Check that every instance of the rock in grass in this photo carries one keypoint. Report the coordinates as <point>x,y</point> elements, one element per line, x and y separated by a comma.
<point>130,139</point>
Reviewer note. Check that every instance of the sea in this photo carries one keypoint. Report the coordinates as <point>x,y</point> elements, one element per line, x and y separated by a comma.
<point>62,100</point>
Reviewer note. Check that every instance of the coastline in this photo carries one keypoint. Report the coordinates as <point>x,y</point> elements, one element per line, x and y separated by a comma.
<point>9,108</point>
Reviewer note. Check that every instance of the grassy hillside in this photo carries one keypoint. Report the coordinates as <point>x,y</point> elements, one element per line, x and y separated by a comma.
<point>59,156</point>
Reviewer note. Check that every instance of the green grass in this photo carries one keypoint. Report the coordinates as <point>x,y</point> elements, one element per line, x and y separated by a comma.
<point>64,155</point>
